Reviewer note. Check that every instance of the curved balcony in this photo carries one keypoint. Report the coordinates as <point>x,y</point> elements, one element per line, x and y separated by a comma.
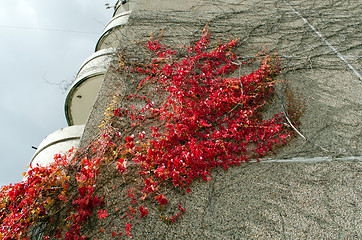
<point>56,143</point>
<point>110,35</point>
<point>86,86</point>
<point>123,6</point>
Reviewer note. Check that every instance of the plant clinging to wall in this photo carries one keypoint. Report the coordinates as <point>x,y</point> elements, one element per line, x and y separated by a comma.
<point>197,115</point>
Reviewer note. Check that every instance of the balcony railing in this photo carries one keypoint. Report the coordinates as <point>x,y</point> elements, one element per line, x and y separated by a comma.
<point>57,142</point>
<point>110,36</point>
<point>86,86</point>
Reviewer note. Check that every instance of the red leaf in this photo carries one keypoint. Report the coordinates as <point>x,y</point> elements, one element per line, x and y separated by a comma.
<point>161,199</point>
<point>128,230</point>
<point>102,214</point>
<point>143,211</point>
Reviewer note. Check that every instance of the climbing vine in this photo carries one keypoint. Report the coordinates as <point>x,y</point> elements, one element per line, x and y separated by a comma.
<point>191,113</point>
<point>29,202</point>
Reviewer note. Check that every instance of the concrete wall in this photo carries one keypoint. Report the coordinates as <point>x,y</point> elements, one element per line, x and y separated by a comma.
<point>319,42</point>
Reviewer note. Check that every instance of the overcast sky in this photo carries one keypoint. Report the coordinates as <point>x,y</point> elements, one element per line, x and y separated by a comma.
<point>43,45</point>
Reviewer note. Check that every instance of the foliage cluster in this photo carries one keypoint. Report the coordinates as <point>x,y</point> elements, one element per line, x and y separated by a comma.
<point>195,118</point>
<point>31,201</point>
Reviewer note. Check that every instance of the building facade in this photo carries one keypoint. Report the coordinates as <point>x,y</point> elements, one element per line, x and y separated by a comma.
<point>311,189</point>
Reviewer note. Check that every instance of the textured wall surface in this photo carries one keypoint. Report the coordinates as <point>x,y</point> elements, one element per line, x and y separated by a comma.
<point>320,45</point>
<point>313,68</point>
<point>269,201</point>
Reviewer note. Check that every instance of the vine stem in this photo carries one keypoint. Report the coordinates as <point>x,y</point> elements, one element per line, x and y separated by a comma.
<point>292,126</point>
<point>298,132</point>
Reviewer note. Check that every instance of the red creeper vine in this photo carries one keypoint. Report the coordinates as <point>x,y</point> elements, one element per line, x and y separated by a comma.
<point>199,116</point>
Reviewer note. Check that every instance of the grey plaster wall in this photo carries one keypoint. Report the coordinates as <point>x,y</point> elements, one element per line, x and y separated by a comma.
<point>319,42</point>
<point>269,201</point>
<point>327,83</point>
<point>253,201</point>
